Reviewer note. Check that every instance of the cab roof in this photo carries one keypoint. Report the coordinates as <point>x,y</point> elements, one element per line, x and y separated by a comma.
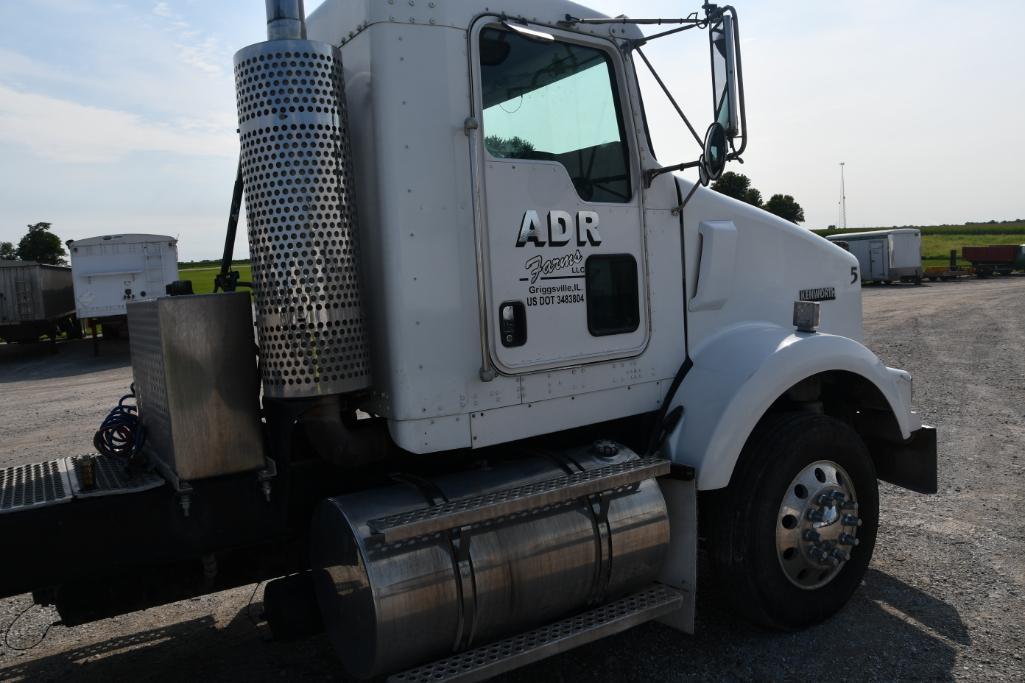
<point>336,21</point>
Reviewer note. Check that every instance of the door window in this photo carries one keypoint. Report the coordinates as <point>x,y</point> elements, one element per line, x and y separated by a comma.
<point>613,302</point>
<point>555,101</point>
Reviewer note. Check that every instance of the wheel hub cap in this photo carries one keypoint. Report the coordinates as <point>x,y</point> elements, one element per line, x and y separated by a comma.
<point>817,525</point>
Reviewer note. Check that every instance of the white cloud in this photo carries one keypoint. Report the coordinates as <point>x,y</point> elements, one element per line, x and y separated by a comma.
<point>162,10</point>
<point>203,55</point>
<point>68,132</point>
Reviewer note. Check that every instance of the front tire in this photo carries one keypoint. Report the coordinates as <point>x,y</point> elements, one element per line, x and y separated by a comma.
<point>793,533</point>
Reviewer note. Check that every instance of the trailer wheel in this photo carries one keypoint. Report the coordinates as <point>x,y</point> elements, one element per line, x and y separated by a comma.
<point>793,533</point>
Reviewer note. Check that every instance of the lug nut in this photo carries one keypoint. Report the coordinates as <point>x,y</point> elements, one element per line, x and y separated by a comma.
<point>850,520</point>
<point>811,535</point>
<point>847,539</point>
<point>825,499</point>
<point>839,556</point>
<point>815,515</point>
<point>850,505</point>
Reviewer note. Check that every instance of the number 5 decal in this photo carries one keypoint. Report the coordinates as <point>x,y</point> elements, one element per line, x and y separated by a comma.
<point>854,274</point>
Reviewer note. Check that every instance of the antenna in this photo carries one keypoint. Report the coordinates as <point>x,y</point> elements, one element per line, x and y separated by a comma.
<point>843,198</point>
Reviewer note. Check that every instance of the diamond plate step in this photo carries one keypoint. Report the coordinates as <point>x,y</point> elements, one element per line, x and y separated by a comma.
<point>476,509</point>
<point>39,484</point>
<point>112,478</point>
<point>53,482</point>
<point>505,655</point>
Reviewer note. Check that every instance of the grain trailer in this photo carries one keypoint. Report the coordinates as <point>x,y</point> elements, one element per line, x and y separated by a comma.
<point>36,300</point>
<point>110,271</point>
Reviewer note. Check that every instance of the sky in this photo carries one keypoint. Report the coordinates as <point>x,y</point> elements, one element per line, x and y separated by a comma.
<point>119,116</point>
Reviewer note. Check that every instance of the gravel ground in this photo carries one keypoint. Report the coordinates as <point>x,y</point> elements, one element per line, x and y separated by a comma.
<point>943,599</point>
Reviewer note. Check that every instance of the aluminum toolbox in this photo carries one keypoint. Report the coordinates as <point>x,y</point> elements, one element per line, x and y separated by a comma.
<point>194,362</point>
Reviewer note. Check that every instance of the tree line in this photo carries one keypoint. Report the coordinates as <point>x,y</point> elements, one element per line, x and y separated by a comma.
<point>38,244</point>
<point>738,186</point>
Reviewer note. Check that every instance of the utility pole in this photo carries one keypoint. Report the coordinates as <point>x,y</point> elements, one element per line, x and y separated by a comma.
<point>843,198</point>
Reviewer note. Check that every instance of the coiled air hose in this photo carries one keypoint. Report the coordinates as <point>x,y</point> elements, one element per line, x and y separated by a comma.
<point>121,434</point>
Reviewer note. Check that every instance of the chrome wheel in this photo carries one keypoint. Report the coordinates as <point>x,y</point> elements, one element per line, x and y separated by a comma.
<point>817,525</point>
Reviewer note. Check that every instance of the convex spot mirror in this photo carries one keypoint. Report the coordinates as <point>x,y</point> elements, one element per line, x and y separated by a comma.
<point>722,40</point>
<point>713,156</point>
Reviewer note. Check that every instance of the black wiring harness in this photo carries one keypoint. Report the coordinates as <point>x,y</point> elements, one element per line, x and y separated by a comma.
<point>121,434</point>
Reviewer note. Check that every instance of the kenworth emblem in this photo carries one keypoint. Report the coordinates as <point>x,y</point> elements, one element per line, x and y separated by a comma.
<point>558,232</point>
<point>818,294</point>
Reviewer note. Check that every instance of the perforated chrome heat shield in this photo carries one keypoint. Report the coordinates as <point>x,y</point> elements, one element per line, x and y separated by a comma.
<point>300,206</point>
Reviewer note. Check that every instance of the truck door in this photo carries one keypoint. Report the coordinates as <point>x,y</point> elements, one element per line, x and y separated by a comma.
<point>562,239</point>
<point>877,267</point>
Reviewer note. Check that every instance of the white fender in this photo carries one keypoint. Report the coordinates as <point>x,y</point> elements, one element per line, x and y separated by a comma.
<point>740,372</point>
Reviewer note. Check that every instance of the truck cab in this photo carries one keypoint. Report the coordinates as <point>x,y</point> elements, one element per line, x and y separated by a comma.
<point>511,363</point>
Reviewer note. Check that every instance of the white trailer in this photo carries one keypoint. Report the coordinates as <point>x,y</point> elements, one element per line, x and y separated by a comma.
<point>886,255</point>
<point>110,271</point>
<point>458,227</point>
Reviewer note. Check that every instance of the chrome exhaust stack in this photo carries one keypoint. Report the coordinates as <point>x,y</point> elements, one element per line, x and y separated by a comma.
<point>286,20</point>
<point>300,205</point>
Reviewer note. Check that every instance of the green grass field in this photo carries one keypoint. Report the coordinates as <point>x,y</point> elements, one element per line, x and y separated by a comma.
<point>938,240</point>
<point>203,278</point>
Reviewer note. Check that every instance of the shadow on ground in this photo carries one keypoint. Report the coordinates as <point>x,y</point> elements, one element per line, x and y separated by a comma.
<point>22,362</point>
<point>890,630</point>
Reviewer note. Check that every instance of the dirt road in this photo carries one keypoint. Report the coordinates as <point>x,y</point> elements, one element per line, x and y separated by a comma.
<point>943,599</point>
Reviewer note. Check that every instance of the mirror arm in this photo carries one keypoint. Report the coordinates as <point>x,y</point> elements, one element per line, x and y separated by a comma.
<point>634,44</point>
<point>668,94</point>
<point>691,19</point>
<point>653,173</point>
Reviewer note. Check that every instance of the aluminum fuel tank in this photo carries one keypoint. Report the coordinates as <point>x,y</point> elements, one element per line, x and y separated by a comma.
<point>389,607</point>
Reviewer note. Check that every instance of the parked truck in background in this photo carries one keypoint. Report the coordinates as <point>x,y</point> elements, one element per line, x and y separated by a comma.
<point>505,357</point>
<point>36,300</point>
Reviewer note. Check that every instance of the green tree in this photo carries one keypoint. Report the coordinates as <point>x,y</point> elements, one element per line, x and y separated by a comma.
<point>41,245</point>
<point>738,186</point>
<point>734,185</point>
<point>507,148</point>
<point>784,206</point>
<point>7,252</point>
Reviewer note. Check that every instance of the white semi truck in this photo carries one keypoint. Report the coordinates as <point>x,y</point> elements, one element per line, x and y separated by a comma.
<point>511,367</point>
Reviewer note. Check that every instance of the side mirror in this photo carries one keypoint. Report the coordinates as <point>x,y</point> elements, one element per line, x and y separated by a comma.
<point>722,38</point>
<point>713,156</point>
<point>726,139</point>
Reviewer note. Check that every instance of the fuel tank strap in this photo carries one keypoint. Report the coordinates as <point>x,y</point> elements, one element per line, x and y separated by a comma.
<point>475,509</point>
